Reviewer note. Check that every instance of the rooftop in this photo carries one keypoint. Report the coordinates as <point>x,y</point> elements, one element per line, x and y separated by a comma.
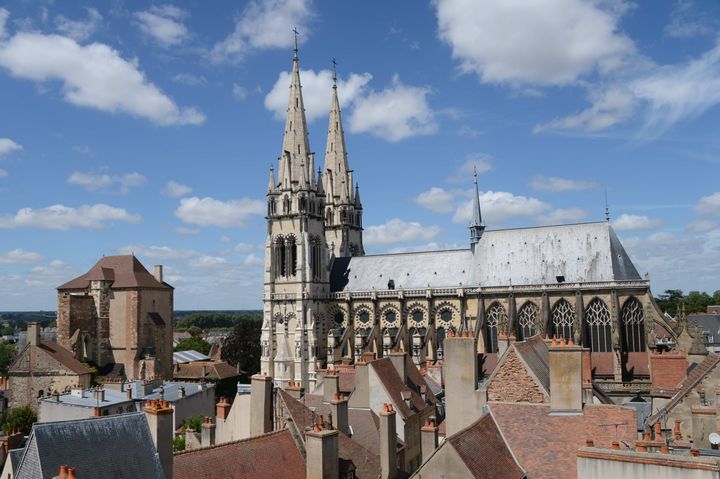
<point>123,271</point>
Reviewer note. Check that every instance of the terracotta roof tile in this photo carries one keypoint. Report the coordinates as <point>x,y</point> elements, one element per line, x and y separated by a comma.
<point>124,271</point>
<point>394,386</point>
<point>270,455</point>
<point>534,353</point>
<point>213,370</point>
<point>63,356</point>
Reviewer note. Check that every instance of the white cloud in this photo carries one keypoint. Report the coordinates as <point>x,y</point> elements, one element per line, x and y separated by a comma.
<point>189,79</point>
<point>479,162</point>
<point>19,256</point>
<point>60,217</point>
<point>3,173</point>
<point>224,214</point>
<point>163,23</point>
<point>79,30</point>
<point>709,205</point>
<point>687,21</point>
<point>187,231</point>
<point>316,88</point>
<point>244,248</point>
<point>437,200</point>
<point>4,14</point>
<point>207,261</point>
<point>7,146</point>
<point>562,216</point>
<point>554,184</point>
<point>550,42</point>
<point>399,231</point>
<point>627,222</point>
<point>700,226</point>
<point>265,25</point>
<point>84,150</point>
<point>92,76</point>
<point>96,181</point>
<point>609,107</point>
<point>252,260</point>
<point>175,189</point>
<point>395,113</point>
<point>158,252</point>
<point>240,92</point>
<point>499,206</point>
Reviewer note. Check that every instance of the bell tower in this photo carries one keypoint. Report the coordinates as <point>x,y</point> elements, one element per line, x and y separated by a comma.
<point>296,254</point>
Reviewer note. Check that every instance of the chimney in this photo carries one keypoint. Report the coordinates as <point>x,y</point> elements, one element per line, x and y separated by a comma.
<point>63,472</point>
<point>398,360</point>
<point>703,424</point>
<point>331,386</point>
<point>181,392</point>
<point>295,390</point>
<point>158,273</point>
<point>463,399</point>
<point>261,402</point>
<point>161,420</point>
<point>428,438</point>
<point>667,370</point>
<point>360,398</point>
<point>321,453</point>
<point>339,407</point>
<point>33,333</point>
<point>565,378</point>
<point>207,437</point>
<point>222,409</point>
<point>388,443</point>
<point>99,394</point>
<point>128,390</point>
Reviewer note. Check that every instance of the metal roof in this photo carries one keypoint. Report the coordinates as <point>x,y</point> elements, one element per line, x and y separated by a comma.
<point>182,357</point>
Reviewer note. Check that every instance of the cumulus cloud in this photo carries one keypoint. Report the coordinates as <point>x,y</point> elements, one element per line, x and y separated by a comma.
<point>500,206</point>
<point>554,184</point>
<point>253,261</point>
<point>4,14</point>
<point>164,24</point>
<point>19,256</point>
<point>395,113</point>
<point>79,30</point>
<point>627,222</point>
<point>609,107</point>
<point>100,181</point>
<point>7,146</point>
<point>316,88</point>
<point>552,42</point>
<point>175,189</point>
<point>700,226</point>
<point>265,25</point>
<point>437,200</point>
<point>158,252</point>
<point>562,216</point>
<point>92,76</point>
<point>399,231</point>
<point>207,261</point>
<point>709,205</point>
<point>479,162</point>
<point>61,217</point>
<point>224,214</point>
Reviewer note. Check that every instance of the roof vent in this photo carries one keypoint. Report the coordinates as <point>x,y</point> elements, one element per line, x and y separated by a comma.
<point>560,278</point>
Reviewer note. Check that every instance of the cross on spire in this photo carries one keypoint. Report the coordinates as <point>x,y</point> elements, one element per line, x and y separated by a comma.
<point>334,72</point>
<point>295,31</point>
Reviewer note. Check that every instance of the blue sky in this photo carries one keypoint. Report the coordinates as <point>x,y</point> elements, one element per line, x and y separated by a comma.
<point>150,127</point>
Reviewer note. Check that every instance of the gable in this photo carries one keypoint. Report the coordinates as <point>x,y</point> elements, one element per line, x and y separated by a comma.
<point>511,382</point>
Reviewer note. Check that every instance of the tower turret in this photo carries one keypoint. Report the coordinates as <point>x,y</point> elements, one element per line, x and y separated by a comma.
<point>477,227</point>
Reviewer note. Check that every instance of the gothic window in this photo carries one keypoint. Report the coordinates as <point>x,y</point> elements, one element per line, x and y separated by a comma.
<point>279,256</point>
<point>291,257</point>
<point>271,207</point>
<point>357,219</point>
<point>417,317</point>
<point>633,326</point>
<point>328,216</point>
<point>597,322</point>
<point>390,317</point>
<point>364,318</point>
<point>315,258</point>
<point>342,216</point>
<point>339,318</point>
<point>286,204</point>
<point>527,320</point>
<point>303,204</point>
<point>563,318</point>
<point>496,320</point>
<point>446,317</point>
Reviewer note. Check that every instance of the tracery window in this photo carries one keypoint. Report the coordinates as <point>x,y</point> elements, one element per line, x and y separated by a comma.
<point>527,320</point>
<point>364,318</point>
<point>315,258</point>
<point>329,216</point>
<point>279,256</point>
<point>633,326</point>
<point>417,317</point>
<point>446,318</point>
<point>390,317</point>
<point>563,318</point>
<point>303,204</point>
<point>291,256</point>
<point>272,207</point>
<point>496,320</point>
<point>597,322</point>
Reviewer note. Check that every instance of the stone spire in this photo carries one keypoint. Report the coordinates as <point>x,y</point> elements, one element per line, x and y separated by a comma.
<point>477,227</point>
<point>335,153</point>
<point>271,181</point>
<point>295,139</point>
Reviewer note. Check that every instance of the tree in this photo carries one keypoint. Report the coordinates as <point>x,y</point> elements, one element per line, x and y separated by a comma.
<point>195,331</point>
<point>242,347</point>
<point>20,419</point>
<point>194,342</point>
<point>7,355</point>
<point>179,443</point>
<point>194,423</point>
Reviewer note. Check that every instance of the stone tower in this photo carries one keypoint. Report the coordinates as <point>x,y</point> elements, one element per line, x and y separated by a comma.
<point>296,255</point>
<point>343,210</point>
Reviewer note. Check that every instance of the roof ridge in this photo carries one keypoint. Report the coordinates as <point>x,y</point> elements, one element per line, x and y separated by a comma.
<point>87,420</point>
<point>231,443</point>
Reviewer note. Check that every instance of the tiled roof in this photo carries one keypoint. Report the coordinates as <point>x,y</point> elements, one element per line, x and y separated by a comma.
<point>693,378</point>
<point>545,445</point>
<point>394,386</point>
<point>113,447</point>
<point>213,370</point>
<point>366,463</point>
<point>534,353</point>
<point>58,353</point>
<point>124,271</point>
<point>484,452</point>
<point>270,455</point>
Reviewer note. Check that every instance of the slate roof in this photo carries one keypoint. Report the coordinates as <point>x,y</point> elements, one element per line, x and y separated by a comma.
<point>113,447</point>
<point>271,455</point>
<point>124,271</point>
<point>586,252</point>
<point>484,452</point>
<point>545,445</point>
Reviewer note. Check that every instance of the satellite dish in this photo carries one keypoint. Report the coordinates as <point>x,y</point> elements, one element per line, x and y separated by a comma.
<point>714,438</point>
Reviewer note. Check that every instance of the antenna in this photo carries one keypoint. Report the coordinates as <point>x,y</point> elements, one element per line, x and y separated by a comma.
<point>607,208</point>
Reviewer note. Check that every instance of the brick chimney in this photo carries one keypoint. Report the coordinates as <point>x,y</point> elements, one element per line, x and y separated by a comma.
<point>398,360</point>
<point>158,273</point>
<point>161,420</point>
<point>428,438</point>
<point>388,443</point>
<point>667,370</point>
<point>222,408</point>
<point>261,402</point>
<point>207,433</point>
<point>565,378</point>
<point>331,386</point>
<point>339,407</point>
<point>33,333</point>
<point>321,453</point>
<point>464,400</point>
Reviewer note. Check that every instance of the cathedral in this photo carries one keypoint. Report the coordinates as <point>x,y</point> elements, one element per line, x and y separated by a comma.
<point>326,302</point>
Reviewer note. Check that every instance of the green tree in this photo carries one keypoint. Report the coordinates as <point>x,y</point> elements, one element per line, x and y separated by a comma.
<point>194,342</point>
<point>670,300</point>
<point>179,443</point>
<point>195,331</point>
<point>21,419</point>
<point>7,355</point>
<point>194,423</point>
<point>242,347</point>
<point>697,302</point>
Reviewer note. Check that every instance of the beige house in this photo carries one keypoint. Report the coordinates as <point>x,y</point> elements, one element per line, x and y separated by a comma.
<point>118,314</point>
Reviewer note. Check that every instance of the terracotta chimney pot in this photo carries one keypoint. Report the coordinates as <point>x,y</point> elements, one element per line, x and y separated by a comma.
<point>63,472</point>
<point>589,443</point>
<point>71,473</point>
<point>658,431</point>
<point>694,452</point>
<point>615,445</point>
